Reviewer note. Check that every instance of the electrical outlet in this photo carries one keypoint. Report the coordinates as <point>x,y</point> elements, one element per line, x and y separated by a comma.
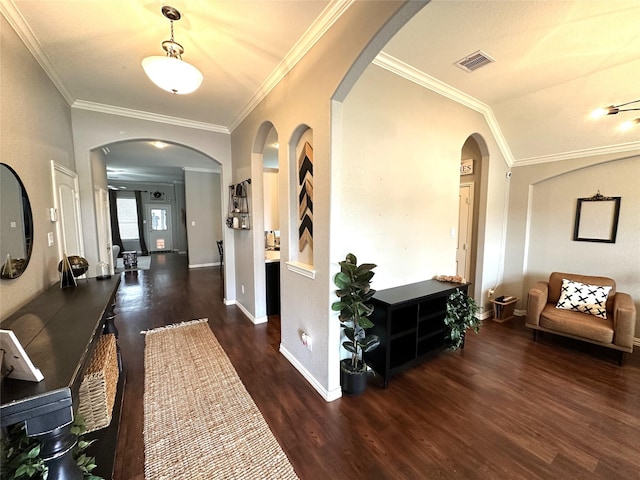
<point>491,293</point>
<point>306,340</point>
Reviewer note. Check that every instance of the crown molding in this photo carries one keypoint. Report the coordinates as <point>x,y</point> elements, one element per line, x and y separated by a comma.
<point>414,75</point>
<point>200,170</point>
<point>325,20</point>
<point>149,116</point>
<point>587,152</point>
<point>406,71</point>
<point>22,29</point>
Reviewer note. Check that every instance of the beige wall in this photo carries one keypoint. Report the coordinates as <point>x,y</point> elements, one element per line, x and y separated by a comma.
<point>35,128</point>
<point>95,129</point>
<point>541,220</point>
<point>398,180</point>
<point>203,217</point>
<point>302,100</point>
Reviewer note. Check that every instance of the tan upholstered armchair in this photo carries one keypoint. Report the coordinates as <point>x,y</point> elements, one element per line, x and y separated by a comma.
<point>616,331</point>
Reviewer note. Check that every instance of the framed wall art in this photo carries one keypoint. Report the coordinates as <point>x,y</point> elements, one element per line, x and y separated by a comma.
<point>597,219</point>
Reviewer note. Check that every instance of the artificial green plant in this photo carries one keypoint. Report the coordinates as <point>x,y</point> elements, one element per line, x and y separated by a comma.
<point>20,454</point>
<point>461,316</point>
<point>354,290</point>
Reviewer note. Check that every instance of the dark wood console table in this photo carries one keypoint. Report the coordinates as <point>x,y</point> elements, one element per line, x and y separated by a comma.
<point>59,330</point>
<point>410,323</point>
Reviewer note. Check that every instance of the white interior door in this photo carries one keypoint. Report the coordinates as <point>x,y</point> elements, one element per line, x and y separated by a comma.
<point>67,204</point>
<point>159,225</point>
<point>465,229</point>
<point>104,227</point>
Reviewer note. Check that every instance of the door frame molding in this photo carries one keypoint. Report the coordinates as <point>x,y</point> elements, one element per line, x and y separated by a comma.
<point>469,238</point>
<point>61,169</point>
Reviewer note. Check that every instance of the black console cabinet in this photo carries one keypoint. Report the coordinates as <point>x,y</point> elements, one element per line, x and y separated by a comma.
<point>59,330</point>
<point>410,323</point>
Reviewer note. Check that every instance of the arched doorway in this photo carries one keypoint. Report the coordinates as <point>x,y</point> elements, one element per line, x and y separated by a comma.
<point>158,177</point>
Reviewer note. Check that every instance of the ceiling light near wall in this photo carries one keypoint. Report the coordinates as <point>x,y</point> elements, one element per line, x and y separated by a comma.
<point>170,72</point>
<point>614,110</point>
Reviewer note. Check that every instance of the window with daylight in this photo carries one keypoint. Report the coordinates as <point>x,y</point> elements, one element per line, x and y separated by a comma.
<point>128,218</point>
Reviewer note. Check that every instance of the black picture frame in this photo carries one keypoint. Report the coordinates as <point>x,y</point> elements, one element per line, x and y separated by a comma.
<point>597,219</point>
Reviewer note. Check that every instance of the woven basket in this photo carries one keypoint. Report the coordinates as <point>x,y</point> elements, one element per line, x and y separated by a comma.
<point>98,388</point>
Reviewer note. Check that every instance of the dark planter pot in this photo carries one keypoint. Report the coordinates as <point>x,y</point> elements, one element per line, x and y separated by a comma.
<point>352,383</point>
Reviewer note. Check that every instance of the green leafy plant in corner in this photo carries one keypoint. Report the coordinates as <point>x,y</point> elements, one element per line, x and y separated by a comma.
<point>354,290</point>
<point>461,316</point>
<point>20,456</point>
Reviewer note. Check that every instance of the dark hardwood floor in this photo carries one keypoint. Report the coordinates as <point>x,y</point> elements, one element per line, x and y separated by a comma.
<point>503,408</point>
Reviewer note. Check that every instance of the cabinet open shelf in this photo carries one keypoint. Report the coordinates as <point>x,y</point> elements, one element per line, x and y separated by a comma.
<point>410,323</point>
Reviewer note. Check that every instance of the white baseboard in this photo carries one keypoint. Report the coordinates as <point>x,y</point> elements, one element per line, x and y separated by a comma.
<point>329,396</point>
<point>246,312</point>
<point>202,265</point>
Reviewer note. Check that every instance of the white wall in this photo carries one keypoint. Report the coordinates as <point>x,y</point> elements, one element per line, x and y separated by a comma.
<point>541,221</point>
<point>398,181</point>
<point>204,221</point>
<point>36,128</point>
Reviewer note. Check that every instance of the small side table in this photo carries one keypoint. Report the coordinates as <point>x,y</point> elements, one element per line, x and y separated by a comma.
<point>130,260</point>
<point>503,308</point>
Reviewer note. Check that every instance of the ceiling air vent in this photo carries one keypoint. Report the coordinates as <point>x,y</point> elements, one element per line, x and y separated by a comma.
<point>474,61</point>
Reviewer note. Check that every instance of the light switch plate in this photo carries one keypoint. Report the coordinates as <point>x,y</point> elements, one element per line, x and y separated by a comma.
<point>50,238</point>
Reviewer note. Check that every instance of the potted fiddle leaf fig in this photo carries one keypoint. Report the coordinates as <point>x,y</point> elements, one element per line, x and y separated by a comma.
<point>461,316</point>
<point>354,291</point>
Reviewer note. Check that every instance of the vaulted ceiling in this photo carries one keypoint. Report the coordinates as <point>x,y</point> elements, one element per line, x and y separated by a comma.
<point>555,61</point>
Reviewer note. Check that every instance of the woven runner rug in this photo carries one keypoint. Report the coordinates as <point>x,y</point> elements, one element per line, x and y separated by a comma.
<point>199,420</point>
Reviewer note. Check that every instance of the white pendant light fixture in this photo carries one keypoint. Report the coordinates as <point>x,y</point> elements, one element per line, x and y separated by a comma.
<point>170,72</point>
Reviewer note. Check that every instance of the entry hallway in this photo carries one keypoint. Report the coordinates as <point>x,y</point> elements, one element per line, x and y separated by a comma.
<point>503,408</point>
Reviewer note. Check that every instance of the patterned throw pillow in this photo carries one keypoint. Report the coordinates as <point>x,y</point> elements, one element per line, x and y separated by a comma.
<point>580,297</point>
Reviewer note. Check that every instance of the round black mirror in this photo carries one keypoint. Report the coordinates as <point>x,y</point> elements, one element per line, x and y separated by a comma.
<point>16,224</point>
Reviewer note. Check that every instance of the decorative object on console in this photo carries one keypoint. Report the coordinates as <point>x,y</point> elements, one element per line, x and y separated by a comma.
<point>78,265</point>
<point>450,278</point>
<point>103,271</point>
<point>580,297</point>
<point>461,316</point>
<point>15,361</point>
<point>597,219</point>
<point>305,197</point>
<point>67,278</point>
<point>354,290</point>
